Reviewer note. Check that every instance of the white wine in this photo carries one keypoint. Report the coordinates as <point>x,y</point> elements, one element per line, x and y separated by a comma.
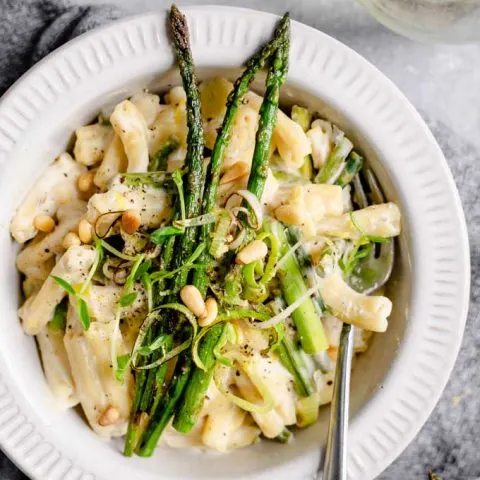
<point>444,21</point>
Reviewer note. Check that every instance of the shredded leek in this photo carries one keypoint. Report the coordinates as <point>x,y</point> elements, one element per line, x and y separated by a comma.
<point>249,272</point>
<point>245,313</point>
<point>189,264</point>
<point>205,219</point>
<point>96,262</point>
<point>256,295</point>
<point>147,283</point>
<point>307,410</point>
<point>218,246</point>
<point>177,178</point>
<point>283,315</point>
<point>233,286</point>
<point>273,256</point>
<point>149,321</point>
<point>117,253</point>
<point>228,335</point>
<point>244,363</point>
<point>196,342</point>
<point>122,302</point>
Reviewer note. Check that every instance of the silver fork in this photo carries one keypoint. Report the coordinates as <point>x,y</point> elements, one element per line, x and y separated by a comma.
<point>371,273</point>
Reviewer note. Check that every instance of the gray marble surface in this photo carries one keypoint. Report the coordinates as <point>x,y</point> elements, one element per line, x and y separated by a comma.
<point>443,83</point>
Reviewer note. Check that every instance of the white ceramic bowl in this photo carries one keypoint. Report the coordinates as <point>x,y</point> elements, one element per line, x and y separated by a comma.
<point>395,384</point>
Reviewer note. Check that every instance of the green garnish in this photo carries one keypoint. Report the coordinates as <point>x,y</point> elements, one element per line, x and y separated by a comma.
<point>161,234</point>
<point>67,286</point>
<point>362,248</point>
<point>127,299</point>
<point>83,314</point>
<point>82,307</point>
<point>123,362</point>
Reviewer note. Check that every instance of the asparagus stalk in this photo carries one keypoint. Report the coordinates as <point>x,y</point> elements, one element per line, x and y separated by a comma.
<point>305,317</point>
<point>194,397</point>
<point>160,414</point>
<point>335,163</point>
<point>241,87</point>
<point>353,165</point>
<point>285,436</point>
<point>149,384</point>
<point>303,117</point>
<point>306,267</point>
<point>194,158</point>
<point>293,359</point>
<point>268,117</point>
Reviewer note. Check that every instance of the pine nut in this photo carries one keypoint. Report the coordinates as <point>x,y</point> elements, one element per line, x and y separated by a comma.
<point>192,298</point>
<point>131,221</point>
<point>256,250</point>
<point>210,314</point>
<point>290,214</point>
<point>85,181</point>
<point>109,416</point>
<point>237,170</point>
<point>44,223</point>
<point>85,232</point>
<point>70,240</point>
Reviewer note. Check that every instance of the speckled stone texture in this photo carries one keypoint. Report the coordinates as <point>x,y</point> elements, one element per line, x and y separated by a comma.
<point>441,81</point>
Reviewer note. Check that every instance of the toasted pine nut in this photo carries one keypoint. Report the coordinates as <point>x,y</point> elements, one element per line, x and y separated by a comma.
<point>237,170</point>
<point>192,298</point>
<point>70,239</point>
<point>256,250</point>
<point>85,181</point>
<point>85,231</point>
<point>109,416</point>
<point>290,214</point>
<point>131,221</point>
<point>210,314</point>
<point>44,223</point>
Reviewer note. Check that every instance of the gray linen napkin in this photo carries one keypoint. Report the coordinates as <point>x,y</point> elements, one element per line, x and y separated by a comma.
<point>29,30</point>
<point>449,443</point>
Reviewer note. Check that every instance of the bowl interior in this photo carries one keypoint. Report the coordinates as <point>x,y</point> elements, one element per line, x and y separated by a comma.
<point>370,369</point>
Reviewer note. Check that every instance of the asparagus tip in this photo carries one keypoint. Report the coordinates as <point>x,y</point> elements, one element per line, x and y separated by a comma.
<point>179,28</point>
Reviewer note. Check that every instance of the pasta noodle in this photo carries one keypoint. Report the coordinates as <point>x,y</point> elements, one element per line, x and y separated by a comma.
<point>114,162</point>
<point>91,143</point>
<point>377,220</point>
<point>57,367</point>
<point>98,280</point>
<point>73,267</point>
<point>367,312</point>
<point>56,186</point>
<point>129,124</point>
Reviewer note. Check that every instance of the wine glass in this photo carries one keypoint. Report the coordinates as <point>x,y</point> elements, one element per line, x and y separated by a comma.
<point>440,21</point>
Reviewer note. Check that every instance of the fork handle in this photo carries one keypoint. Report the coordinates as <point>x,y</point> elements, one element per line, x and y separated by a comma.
<point>335,466</point>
